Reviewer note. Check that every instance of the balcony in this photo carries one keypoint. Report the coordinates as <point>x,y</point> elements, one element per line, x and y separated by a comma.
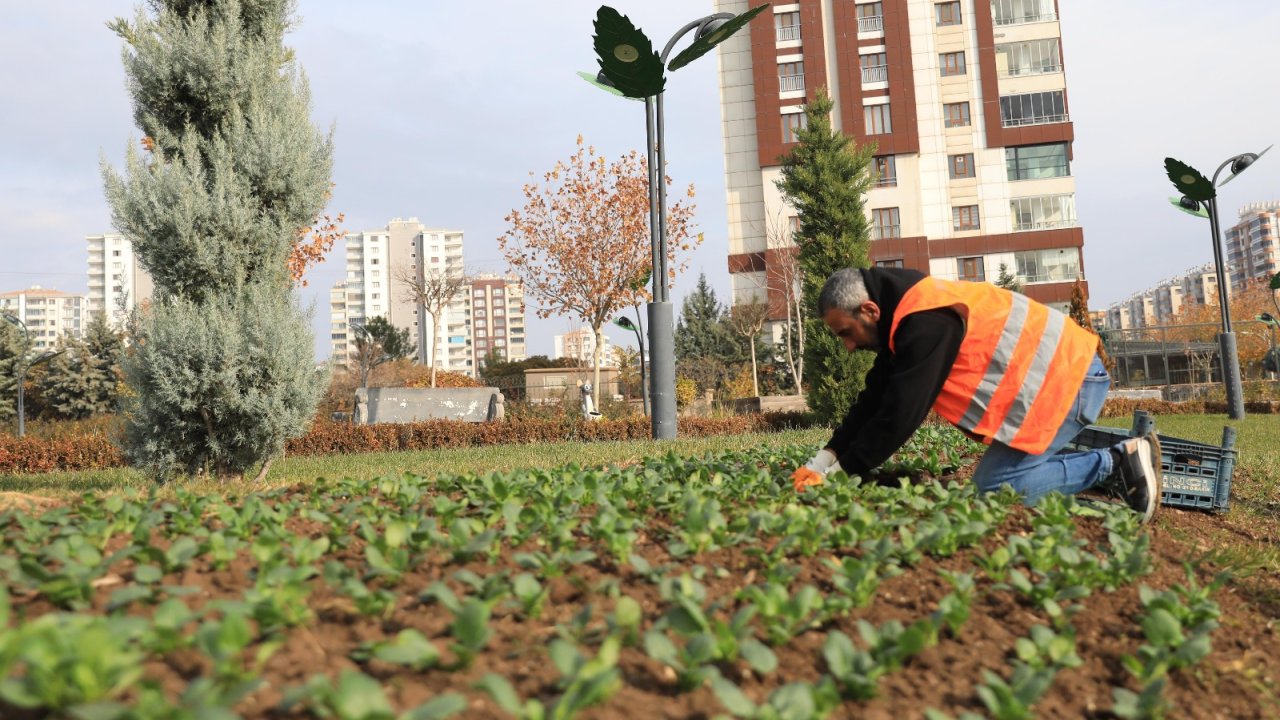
<point>789,33</point>
<point>1034,120</point>
<point>1036,69</point>
<point>875,74</point>
<point>791,83</point>
<point>875,23</point>
<point>1002,19</point>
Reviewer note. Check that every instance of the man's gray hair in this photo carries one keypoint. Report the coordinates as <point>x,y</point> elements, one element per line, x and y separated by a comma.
<point>844,290</point>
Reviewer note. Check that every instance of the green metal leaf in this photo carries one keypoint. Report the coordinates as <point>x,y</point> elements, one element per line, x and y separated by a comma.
<point>1275,281</point>
<point>1189,181</point>
<point>703,45</point>
<point>626,55</point>
<point>1201,211</point>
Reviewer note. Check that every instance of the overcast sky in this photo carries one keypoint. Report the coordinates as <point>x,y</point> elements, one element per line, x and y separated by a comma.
<point>441,109</point>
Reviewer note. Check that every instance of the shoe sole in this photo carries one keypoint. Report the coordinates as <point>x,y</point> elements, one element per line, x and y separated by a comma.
<point>1157,462</point>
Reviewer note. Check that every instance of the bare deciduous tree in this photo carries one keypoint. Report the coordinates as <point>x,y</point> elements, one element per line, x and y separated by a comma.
<point>747,320</point>
<point>784,277</point>
<point>431,290</point>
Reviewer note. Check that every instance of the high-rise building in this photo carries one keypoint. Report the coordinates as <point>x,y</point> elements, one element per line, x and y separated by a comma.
<point>377,262</point>
<point>117,283</point>
<point>580,345</point>
<point>1253,244</point>
<point>966,104</point>
<point>1162,304</point>
<point>48,314</point>
<point>497,318</point>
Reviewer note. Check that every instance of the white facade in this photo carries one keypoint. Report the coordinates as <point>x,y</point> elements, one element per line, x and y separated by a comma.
<point>1253,244</point>
<point>48,314</point>
<point>1161,304</point>
<point>374,262</point>
<point>117,283</point>
<point>580,345</point>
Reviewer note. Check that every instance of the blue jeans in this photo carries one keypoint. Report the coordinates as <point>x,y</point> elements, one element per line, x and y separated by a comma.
<point>1034,476</point>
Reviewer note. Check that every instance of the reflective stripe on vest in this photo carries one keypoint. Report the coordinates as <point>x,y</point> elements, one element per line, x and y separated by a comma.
<point>1020,365</point>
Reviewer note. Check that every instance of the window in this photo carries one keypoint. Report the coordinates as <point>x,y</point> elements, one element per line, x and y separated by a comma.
<point>1015,12</point>
<point>947,13</point>
<point>479,292</point>
<point>791,76</point>
<point>952,63</point>
<point>870,17</point>
<point>1052,265</point>
<point>377,296</point>
<point>875,67</point>
<point>1033,109</point>
<point>791,125</point>
<point>480,312</point>
<point>878,119</point>
<point>971,269</point>
<point>884,224</point>
<point>1034,57</point>
<point>481,323</point>
<point>497,292</point>
<point>886,171</point>
<point>957,114</point>
<point>961,166</point>
<point>374,261</point>
<point>1030,162</point>
<point>787,25</point>
<point>889,263</point>
<point>794,224</point>
<point>115,253</point>
<point>1044,212</point>
<point>499,311</point>
<point>965,218</point>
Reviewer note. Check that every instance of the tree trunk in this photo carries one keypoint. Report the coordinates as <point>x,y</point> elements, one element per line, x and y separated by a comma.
<point>595,361</point>
<point>431,347</point>
<point>755,383</point>
<point>262,474</point>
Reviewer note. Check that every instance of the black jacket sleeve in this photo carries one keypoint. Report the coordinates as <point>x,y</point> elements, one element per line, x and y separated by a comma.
<point>900,389</point>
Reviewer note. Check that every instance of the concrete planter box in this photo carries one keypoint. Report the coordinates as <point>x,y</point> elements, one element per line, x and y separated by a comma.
<point>406,405</point>
<point>770,403</point>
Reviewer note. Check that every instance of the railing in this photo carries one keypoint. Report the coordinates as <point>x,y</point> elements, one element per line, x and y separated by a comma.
<point>788,33</point>
<point>1044,224</point>
<point>1037,120</point>
<point>791,83</point>
<point>875,23</point>
<point>1036,69</point>
<point>883,232</point>
<point>875,73</point>
<point>1024,19</point>
<point>1182,354</point>
<point>887,181</point>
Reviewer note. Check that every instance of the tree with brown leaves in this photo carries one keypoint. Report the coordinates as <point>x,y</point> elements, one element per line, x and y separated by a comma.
<point>583,237</point>
<point>432,291</point>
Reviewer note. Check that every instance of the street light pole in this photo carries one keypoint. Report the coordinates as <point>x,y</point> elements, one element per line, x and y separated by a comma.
<point>630,67</point>
<point>23,366</point>
<point>1200,198</point>
<point>625,323</point>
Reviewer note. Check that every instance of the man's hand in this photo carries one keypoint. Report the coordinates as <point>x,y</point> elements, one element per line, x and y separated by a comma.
<point>814,473</point>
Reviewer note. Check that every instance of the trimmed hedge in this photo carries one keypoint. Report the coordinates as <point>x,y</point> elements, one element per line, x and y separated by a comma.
<point>95,451</point>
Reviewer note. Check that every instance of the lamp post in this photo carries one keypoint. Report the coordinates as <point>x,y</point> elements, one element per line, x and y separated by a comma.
<point>1271,363</point>
<point>1200,198</point>
<point>630,67</point>
<point>23,367</point>
<point>625,323</point>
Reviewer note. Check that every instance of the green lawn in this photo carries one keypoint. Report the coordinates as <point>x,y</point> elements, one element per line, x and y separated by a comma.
<point>465,460</point>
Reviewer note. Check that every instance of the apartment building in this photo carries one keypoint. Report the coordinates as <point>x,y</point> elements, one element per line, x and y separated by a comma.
<point>497,318</point>
<point>376,262</point>
<point>48,314</point>
<point>117,282</point>
<point>1161,304</point>
<point>580,345</point>
<point>966,103</point>
<point>1253,244</point>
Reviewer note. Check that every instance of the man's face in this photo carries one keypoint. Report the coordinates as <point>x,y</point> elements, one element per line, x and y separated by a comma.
<point>857,330</point>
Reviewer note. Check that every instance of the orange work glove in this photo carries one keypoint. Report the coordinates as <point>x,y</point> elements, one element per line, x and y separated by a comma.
<point>804,477</point>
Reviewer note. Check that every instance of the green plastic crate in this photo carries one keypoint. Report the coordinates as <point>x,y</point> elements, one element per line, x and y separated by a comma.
<point>1196,475</point>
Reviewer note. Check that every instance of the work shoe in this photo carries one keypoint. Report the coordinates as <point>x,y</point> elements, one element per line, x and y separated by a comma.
<point>1136,478</point>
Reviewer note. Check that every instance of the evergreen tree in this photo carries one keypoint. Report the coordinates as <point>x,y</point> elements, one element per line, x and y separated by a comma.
<point>82,381</point>
<point>377,342</point>
<point>11,350</point>
<point>826,178</point>
<point>232,173</point>
<point>1007,279</point>
<point>705,345</point>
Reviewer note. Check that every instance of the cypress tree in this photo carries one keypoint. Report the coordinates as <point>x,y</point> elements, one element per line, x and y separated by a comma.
<point>222,367</point>
<point>12,348</point>
<point>825,178</point>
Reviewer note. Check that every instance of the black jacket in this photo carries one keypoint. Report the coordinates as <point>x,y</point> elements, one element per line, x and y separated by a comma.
<point>901,386</point>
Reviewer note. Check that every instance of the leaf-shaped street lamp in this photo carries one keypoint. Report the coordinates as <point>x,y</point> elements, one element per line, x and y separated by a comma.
<point>630,67</point>
<point>1188,180</point>
<point>1200,199</point>
<point>713,31</point>
<point>626,55</point>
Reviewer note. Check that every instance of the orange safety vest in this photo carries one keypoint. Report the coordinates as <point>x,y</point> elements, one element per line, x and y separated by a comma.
<point>1020,365</point>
